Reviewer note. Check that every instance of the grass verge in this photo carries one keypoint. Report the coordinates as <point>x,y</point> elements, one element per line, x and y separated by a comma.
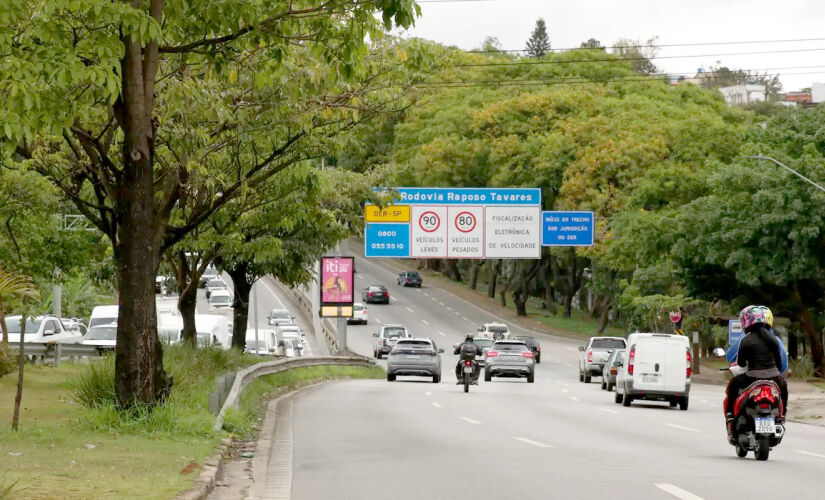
<point>66,449</point>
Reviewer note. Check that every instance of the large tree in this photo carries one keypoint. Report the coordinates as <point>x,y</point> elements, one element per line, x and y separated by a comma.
<point>90,88</point>
<point>539,42</point>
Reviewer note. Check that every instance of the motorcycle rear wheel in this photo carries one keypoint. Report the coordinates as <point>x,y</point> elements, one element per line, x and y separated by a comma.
<point>466,383</point>
<point>763,448</point>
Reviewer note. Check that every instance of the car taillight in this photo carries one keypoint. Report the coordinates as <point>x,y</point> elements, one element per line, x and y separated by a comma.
<point>492,354</point>
<point>630,360</point>
<point>688,362</point>
<point>527,354</point>
<point>613,370</point>
<point>589,356</point>
<point>538,347</point>
<point>369,294</point>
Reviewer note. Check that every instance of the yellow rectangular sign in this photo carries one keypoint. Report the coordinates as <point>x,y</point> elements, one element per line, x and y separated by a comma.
<point>336,311</point>
<point>390,213</point>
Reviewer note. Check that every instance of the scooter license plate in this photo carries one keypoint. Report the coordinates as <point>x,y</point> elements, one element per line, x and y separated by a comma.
<point>765,426</point>
<point>468,369</point>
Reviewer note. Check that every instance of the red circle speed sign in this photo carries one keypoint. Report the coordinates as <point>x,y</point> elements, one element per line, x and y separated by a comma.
<point>465,222</point>
<point>429,221</point>
<point>675,316</point>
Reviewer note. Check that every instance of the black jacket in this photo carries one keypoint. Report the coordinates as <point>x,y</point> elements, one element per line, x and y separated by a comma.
<point>476,350</point>
<point>759,351</point>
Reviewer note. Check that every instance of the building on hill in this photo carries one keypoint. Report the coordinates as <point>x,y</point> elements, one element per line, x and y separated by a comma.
<point>738,95</point>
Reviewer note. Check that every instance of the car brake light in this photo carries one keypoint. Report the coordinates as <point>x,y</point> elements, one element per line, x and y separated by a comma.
<point>589,356</point>
<point>613,370</point>
<point>688,362</point>
<point>492,354</point>
<point>538,347</point>
<point>369,294</point>
<point>527,354</point>
<point>630,360</point>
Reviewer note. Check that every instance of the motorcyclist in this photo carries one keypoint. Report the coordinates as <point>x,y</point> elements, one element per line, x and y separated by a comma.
<point>762,356</point>
<point>467,350</point>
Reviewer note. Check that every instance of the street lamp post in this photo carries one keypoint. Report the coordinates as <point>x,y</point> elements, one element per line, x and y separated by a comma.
<point>789,169</point>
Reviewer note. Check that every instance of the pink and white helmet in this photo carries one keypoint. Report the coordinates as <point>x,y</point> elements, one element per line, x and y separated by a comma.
<point>753,315</point>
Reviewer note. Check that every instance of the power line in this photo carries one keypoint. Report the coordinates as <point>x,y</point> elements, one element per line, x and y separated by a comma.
<point>657,46</point>
<point>611,59</point>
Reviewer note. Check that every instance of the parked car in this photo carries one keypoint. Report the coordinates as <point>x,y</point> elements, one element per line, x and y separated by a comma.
<point>263,345</point>
<point>483,343</point>
<point>102,336</point>
<point>534,345</point>
<point>280,317</point>
<point>611,368</point>
<point>220,299</point>
<point>657,367</point>
<point>594,354</point>
<point>386,338</point>
<point>510,358</point>
<point>409,278</point>
<point>103,315</point>
<point>414,357</point>
<point>495,331</point>
<point>214,284</point>
<point>359,314</point>
<point>41,329</point>
<point>208,274</point>
<point>375,294</point>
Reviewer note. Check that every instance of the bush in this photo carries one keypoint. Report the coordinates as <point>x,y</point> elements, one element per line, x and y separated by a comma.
<point>802,367</point>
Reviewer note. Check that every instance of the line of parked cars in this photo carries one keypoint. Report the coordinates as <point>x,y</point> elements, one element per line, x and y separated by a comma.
<point>645,366</point>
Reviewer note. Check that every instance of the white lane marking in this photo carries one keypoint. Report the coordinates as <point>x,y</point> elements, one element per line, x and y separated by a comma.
<point>574,399</point>
<point>407,308</point>
<point>534,443</point>
<point>437,405</point>
<point>677,491</point>
<point>608,410</point>
<point>441,304</point>
<point>566,384</point>
<point>703,400</point>
<point>470,420</point>
<point>425,294</point>
<point>442,333</point>
<point>457,313</point>
<point>803,452</point>
<point>565,390</point>
<point>428,393</point>
<point>570,348</point>
<point>465,318</point>
<point>418,290</point>
<point>378,320</point>
<point>393,298</point>
<point>682,427</point>
<point>425,321</point>
<point>434,299</point>
<point>568,365</point>
<point>449,308</point>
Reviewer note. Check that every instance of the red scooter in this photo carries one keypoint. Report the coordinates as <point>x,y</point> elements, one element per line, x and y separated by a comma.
<point>756,424</point>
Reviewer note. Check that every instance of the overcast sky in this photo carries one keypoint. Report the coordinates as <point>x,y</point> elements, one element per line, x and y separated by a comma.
<point>466,23</point>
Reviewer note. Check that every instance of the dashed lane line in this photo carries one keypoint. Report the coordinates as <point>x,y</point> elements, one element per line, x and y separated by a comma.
<point>817,455</point>
<point>682,427</point>
<point>437,405</point>
<point>677,491</point>
<point>574,399</point>
<point>407,308</point>
<point>465,318</point>
<point>534,443</point>
<point>434,299</point>
<point>378,320</point>
<point>394,299</point>
<point>457,313</point>
<point>565,390</point>
<point>425,294</point>
<point>608,410</point>
<point>570,348</point>
<point>470,420</point>
<point>442,333</point>
<point>428,393</point>
<point>449,308</point>
<point>441,304</point>
<point>425,321</point>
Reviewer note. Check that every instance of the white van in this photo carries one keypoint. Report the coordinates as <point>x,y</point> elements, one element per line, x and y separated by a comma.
<point>656,367</point>
<point>170,327</point>
<point>267,342</point>
<point>213,329</point>
<point>103,315</point>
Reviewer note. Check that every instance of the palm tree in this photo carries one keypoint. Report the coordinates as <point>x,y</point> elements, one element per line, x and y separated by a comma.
<point>12,285</point>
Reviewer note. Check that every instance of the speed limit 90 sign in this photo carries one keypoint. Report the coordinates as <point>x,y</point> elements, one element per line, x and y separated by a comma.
<point>429,221</point>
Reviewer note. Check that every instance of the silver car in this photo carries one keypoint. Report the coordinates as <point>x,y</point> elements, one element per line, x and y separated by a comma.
<point>415,357</point>
<point>611,369</point>
<point>510,358</point>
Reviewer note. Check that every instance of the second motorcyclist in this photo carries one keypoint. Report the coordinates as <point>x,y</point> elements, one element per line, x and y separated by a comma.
<point>467,350</point>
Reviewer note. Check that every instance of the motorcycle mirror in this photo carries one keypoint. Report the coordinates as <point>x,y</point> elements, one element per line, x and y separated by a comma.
<point>719,352</point>
<point>375,335</point>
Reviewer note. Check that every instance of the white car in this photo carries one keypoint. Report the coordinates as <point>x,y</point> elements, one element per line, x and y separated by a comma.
<point>41,329</point>
<point>265,344</point>
<point>103,336</point>
<point>214,284</point>
<point>656,367</point>
<point>359,314</point>
<point>213,329</point>
<point>495,331</point>
<point>280,317</point>
<point>103,315</point>
<point>220,299</point>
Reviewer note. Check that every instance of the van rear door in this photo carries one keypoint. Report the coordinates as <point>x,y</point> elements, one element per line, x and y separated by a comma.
<point>649,364</point>
<point>676,366</point>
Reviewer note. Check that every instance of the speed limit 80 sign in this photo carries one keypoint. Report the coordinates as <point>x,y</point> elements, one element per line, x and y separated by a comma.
<point>466,234</point>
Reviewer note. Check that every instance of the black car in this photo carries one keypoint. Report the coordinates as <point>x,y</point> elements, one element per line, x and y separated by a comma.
<point>375,294</point>
<point>533,344</point>
<point>409,278</point>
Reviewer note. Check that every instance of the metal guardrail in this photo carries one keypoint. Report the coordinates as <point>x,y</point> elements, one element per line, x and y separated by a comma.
<point>57,351</point>
<point>248,375</point>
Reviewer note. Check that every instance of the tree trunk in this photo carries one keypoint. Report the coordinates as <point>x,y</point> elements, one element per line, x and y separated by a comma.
<point>20,364</point>
<point>793,345</point>
<point>520,301</point>
<point>453,271</point>
<point>568,303</point>
<point>243,285</point>
<point>187,305</point>
<point>4,347</point>
<point>813,335</point>
<point>491,288</point>
<point>474,270</point>
<point>603,318</point>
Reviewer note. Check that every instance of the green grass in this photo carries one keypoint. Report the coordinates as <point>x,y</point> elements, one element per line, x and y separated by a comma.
<point>65,449</point>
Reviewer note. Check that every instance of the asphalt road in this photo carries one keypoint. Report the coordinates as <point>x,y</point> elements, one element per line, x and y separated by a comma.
<point>556,438</point>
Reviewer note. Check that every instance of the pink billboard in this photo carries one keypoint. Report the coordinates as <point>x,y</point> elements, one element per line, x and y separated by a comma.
<point>337,280</point>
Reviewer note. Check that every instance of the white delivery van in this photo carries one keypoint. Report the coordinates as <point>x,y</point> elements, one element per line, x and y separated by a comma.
<point>656,367</point>
<point>266,342</point>
<point>103,315</point>
<point>170,327</point>
<point>213,329</point>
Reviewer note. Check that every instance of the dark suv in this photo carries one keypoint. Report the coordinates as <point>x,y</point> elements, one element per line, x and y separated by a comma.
<point>533,344</point>
<point>409,278</point>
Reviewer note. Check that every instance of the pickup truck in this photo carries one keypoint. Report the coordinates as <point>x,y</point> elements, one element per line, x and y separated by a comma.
<point>593,356</point>
<point>42,329</point>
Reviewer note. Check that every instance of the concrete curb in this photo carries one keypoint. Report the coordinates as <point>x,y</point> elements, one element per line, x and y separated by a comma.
<point>205,482</point>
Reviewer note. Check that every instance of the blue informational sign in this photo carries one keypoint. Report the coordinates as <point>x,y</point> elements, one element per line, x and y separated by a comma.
<point>382,239</point>
<point>735,331</point>
<point>468,196</point>
<point>567,229</point>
